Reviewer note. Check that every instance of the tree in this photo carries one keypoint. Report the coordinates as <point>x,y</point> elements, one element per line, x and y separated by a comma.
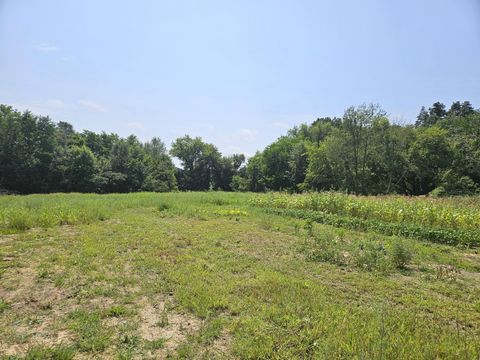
<point>328,164</point>
<point>228,167</point>
<point>200,161</point>
<point>455,109</point>
<point>27,144</point>
<point>422,118</point>
<point>255,173</point>
<point>239,183</point>
<point>360,153</point>
<point>80,169</point>
<point>128,158</point>
<point>466,109</point>
<point>357,124</point>
<point>437,110</point>
<point>160,169</point>
<point>429,155</point>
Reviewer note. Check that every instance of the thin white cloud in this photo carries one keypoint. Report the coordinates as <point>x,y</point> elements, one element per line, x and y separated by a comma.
<point>234,149</point>
<point>55,103</point>
<point>45,47</point>
<point>92,106</point>
<point>203,126</point>
<point>136,125</point>
<point>239,141</point>
<point>281,125</point>
<point>47,107</point>
<point>248,135</point>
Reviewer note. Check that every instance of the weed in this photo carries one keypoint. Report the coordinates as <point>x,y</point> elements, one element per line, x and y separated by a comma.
<point>92,336</point>
<point>116,311</point>
<point>372,257</point>
<point>155,344</point>
<point>163,207</point>
<point>50,353</point>
<point>3,305</point>
<point>401,255</point>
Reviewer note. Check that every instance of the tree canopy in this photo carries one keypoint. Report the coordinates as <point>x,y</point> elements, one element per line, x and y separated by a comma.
<point>362,152</point>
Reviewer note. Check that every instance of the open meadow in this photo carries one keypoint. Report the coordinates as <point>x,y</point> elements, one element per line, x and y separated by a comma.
<point>217,275</point>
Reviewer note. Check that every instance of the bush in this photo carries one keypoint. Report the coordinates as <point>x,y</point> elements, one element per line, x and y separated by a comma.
<point>452,184</point>
<point>439,191</point>
<point>163,207</point>
<point>400,255</point>
<point>239,183</point>
<point>372,257</point>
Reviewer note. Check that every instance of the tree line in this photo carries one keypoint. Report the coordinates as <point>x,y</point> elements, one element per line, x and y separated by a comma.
<point>362,152</point>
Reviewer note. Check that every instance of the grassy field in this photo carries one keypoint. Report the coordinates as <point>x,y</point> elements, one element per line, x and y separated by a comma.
<point>226,275</point>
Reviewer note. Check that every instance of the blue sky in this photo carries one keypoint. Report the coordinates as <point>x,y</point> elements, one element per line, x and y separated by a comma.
<point>238,73</point>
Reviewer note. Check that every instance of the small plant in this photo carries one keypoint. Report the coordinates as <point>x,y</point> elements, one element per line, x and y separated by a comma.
<point>3,305</point>
<point>218,202</point>
<point>116,311</point>
<point>19,221</point>
<point>400,255</point>
<point>231,212</point>
<point>155,344</point>
<point>163,207</point>
<point>128,341</point>
<point>46,353</point>
<point>326,248</point>
<point>92,336</point>
<point>163,322</point>
<point>309,227</point>
<point>371,257</point>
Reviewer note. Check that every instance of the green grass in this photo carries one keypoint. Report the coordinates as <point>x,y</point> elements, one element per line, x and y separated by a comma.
<point>216,276</point>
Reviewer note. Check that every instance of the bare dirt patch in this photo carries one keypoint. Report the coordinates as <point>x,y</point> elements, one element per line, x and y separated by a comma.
<point>160,321</point>
<point>35,313</point>
<point>7,238</point>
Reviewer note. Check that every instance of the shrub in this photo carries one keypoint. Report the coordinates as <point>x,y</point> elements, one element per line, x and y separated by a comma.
<point>453,184</point>
<point>163,207</point>
<point>400,255</point>
<point>372,257</point>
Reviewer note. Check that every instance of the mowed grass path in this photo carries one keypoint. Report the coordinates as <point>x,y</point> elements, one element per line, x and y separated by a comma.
<point>209,276</point>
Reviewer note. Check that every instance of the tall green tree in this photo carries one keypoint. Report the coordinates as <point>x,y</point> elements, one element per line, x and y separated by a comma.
<point>200,162</point>
<point>160,169</point>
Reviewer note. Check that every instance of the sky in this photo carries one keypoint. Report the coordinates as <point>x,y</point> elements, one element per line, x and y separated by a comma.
<point>237,73</point>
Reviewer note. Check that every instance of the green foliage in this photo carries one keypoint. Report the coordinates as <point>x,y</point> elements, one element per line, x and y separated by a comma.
<point>437,221</point>
<point>453,184</point>
<point>47,353</point>
<point>371,257</point>
<point>155,344</point>
<point>92,336</point>
<point>239,183</point>
<point>401,255</point>
<point>3,305</point>
<point>199,161</point>
<point>39,156</point>
<point>362,153</point>
<point>116,311</point>
<point>80,169</point>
